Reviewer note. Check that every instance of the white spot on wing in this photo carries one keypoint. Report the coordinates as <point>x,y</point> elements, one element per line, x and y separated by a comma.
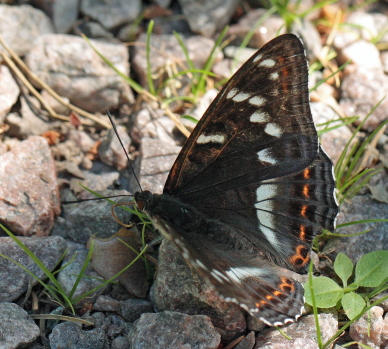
<point>268,63</point>
<point>200,264</point>
<point>273,130</point>
<point>214,138</point>
<point>257,101</point>
<point>259,116</point>
<point>265,156</point>
<point>232,93</point>
<point>237,274</point>
<point>222,276</point>
<point>266,191</point>
<point>270,236</point>
<point>274,76</point>
<point>241,97</point>
<point>266,222</point>
<point>257,58</point>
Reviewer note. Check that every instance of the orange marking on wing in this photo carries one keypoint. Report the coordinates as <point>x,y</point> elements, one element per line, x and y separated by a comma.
<point>306,189</point>
<point>287,285</point>
<point>306,173</point>
<point>303,211</point>
<point>302,233</point>
<point>301,257</point>
<point>285,73</point>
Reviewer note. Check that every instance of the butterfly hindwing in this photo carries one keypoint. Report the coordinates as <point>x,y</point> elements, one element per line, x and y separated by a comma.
<point>238,276</point>
<point>278,218</point>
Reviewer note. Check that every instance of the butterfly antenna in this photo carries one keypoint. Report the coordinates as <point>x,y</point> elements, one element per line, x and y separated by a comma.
<point>93,199</point>
<point>122,146</point>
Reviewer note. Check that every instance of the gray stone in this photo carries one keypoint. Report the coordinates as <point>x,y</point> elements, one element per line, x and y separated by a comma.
<point>360,53</point>
<point>68,276</point>
<point>29,196</point>
<point>370,329</point>
<point>334,141</point>
<point>174,330</point>
<point>361,91</point>
<point>55,104</point>
<point>9,92</point>
<point>120,342</point>
<point>248,342</point>
<point>21,25</point>
<point>15,281</point>
<point>27,123</point>
<point>157,160</point>
<point>111,151</point>
<point>95,30</point>
<point>360,207</point>
<point>208,17</point>
<point>155,124</point>
<point>302,333</point>
<point>263,33</point>
<point>113,13</point>
<point>130,309</point>
<point>70,336</point>
<point>366,25</point>
<point>99,178</point>
<point>64,14</point>
<point>17,329</point>
<point>94,218</point>
<point>71,67</point>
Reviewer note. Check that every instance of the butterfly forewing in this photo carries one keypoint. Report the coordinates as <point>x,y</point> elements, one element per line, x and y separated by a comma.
<point>251,186</point>
<point>256,127</point>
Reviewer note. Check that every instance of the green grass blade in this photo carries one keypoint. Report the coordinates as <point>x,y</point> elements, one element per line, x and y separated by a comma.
<point>342,67</point>
<point>362,147</point>
<point>342,122</point>
<point>208,64</point>
<point>314,305</point>
<point>168,101</point>
<point>148,58</point>
<point>185,52</point>
<point>82,271</point>
<point>353,180</point>
<point>341,164</point>
<point>132,83</point>
<point>363,221</point>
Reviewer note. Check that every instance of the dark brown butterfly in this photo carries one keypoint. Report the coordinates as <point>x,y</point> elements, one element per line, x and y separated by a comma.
<point>252,187</point>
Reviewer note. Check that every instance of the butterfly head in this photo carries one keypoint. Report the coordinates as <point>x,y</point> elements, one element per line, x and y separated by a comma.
<point>144,200</point>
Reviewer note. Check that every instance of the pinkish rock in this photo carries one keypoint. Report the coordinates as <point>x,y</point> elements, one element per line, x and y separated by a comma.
<point>29,196</point>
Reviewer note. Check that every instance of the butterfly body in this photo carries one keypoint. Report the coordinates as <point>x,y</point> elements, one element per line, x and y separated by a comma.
<point>251,187</point>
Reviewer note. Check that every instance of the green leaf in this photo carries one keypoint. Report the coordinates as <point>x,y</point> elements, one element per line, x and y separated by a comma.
<point>353,304</point>
<point>327,292</point>
<point>343,267</point>
<point>372,269</point>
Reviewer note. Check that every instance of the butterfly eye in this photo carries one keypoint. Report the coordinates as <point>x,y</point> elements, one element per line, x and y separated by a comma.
<point>140,205</point>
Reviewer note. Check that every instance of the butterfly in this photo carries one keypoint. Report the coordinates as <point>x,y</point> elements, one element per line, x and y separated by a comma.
<point>251,187</point>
